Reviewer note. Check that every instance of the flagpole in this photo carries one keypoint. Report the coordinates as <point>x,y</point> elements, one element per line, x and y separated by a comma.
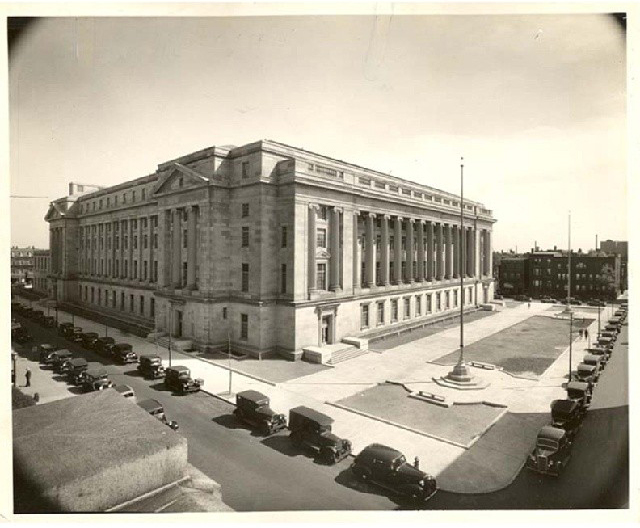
<point>461,260</point>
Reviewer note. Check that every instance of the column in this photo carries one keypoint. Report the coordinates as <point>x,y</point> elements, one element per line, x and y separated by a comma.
<point>489,255</point>
<point>356,250</point>
<point>313,241</point>
<point>429,251</point>
<point>397,265</point>
<point>447,252</point>
<point>474,252</point>
<point>410,251</point>
<point>141,248</point>
<point>334,248</point>
<point>439,251</point>
<point>420,234</point>
<point>176,249</point>
<point>150,235</point>
<point>384,250</point>
<point>130,248</point>
<point>469,253</point>
<point>165,244</point>
<point>454,250</point>
<point>113,249</point>
<point>191,248</point>
<point>370,253</point>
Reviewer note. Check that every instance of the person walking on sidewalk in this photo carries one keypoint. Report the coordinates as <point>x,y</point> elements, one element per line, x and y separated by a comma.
<point>28,376</point>
<point>586,333</point>
<point>416,463</point>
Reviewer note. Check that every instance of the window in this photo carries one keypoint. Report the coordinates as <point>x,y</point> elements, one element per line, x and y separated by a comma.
<point>92,294</point>
<point>134,196</point>
<point>429,309</point>
<point>322,212</point>
<point>131,303</point>
<point>455,297</point>
<point>135,242</point>
<point>152,307</point>
<point>135,269</point>
<point>122,300</point>
<point>184,238</point>
<point>142,305</point>
<point>283,278</point>
<point>438,302</point>
<point>394,310</point>
<point>321,238</point>
<point>407,307</point>
<point>144,195</point>
<point>155,271</point>
<point>245,278</point>
<point>145,241</point>
<point>364,316</point>
<point>418,305</point>
<point>244,327</point>
<point>224,312</point>
<point>184,273</point>
<point>155,241</point>
<point>380,313</point>
<point>126,269</point>
<point>113,299</point>
<point>245,237</point>
<point>321,278</point>
<point>245,169</point>
<point>145,270</point>
<point>245,210</point>
<point>100,203</point>
<point>283,242</point>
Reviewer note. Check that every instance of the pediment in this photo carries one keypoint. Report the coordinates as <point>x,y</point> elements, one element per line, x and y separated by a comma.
<point>55,212</point>
<point>180,177</point>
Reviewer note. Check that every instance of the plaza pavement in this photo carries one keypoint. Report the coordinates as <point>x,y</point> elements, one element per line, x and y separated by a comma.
<point>407,363</point>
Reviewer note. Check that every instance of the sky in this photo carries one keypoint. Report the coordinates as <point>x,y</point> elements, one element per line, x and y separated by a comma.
<point>536,105</point>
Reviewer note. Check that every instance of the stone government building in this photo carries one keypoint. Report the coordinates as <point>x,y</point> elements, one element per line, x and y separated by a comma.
<point>272,247</point>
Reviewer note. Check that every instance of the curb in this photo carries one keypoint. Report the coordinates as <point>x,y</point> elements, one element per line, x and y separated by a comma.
<point>240,372</point>
<point>394,424</point>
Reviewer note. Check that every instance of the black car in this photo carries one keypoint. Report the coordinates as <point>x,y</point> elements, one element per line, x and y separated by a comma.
<point>179,379</point>
<point>552,451</point>
<point>95,379</point>
<point>75,334</point>
<point>103,345</point>
<point>388,468</point>
<point>74,367</point>
<point>49,321</point>
<point>567,414</point>
<point>64,329</point>
<point>89,339</point>
<point>123,353</point>
<point>44,351</point>
<point>150,366</point>
<point>312,429</point>
<point>548,300</point>
<point>155,409</point>
<point>595,302</point>
<point>587,373</point>
<point>524,298</point>
<point>581,393</point>
<point>252,407</point>
<point>20,334</point>
<point>59,357</point>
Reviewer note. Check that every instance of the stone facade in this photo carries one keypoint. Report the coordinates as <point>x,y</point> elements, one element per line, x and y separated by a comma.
<point>22,264</point>
<point>269,247</point>
<point>41,269</point>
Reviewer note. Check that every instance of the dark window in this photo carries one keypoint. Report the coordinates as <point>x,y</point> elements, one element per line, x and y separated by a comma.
<point>244,327</point>
<point>364,316</point>
<point>321,238</point>
<point>245,278</point>
<point>152,308</point>
<point>321,278</point>
<point>131,302</point>
<point>224,312</point>
<point>283,242</point>
<point>245,237</point>
<point>245,210</point>
<point>283,278</point>
<point>142,305</point>
<point>245,169</point>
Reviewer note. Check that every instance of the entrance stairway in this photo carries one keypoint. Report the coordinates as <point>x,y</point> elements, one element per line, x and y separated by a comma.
<point>345,354</point>
<point>176,342</point>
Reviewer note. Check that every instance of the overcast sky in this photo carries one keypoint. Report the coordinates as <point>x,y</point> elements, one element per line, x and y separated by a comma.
<point>536,104</point>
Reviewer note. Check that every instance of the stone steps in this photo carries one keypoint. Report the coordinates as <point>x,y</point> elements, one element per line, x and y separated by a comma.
<point>346,354</point>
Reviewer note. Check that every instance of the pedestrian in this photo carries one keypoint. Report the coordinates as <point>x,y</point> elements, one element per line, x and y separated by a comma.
<point>416,463</point>
<point>586,333</point>
<point>581,333</point>
<point>28,376</point>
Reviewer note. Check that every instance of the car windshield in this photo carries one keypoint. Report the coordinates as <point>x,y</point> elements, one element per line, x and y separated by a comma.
<point>547,443</point>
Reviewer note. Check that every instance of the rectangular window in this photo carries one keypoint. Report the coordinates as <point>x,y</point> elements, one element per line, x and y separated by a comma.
<point>184,238</point>
<point>99,296</point>
<point>455,298</point>
<point>245,278</point>
<point>321,278</point>
<point>145,241</point>
<point>184,273</point>
<point>224,312</point>
<point>152,307</point>
<point>144,194</point>
<point>155,271</point>
<point>322,212</point>
<point>245,169</point>
<point>283,241</point>
<point>283,278</point>
<point>364,316</point>
<point>407,307</point>
<point>131,302</point>
<point>135,269</point>
<point>245,210</point>
<point>380,313</point>
<point>126,268</point>
<point>142,305</point>
<point>135,242</point>
<point>321,238</point>
<point>245,237</point>
<point>145,270</point>
<point>418,305</point>
<point>244,327</point>
<point>122,300</point>
<point>155,241</point>
<point>113,299</point>
<point>394,310</point>
<point>438,302</point>
<point>429,308</point>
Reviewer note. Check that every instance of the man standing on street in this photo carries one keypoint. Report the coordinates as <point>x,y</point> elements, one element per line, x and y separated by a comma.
<point>28,376</point>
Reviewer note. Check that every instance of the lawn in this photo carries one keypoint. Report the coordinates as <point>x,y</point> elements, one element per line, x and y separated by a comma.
<point>459,423</point>
<point>526,348</point>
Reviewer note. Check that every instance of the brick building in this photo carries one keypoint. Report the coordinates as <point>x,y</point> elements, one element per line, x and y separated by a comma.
<point>618,247</point>
<point>41,268</point>
<point>22,264</point>
<point>273,247</point>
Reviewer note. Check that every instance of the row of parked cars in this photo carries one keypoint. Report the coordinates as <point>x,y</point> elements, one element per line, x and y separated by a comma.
<point>554,442</point>
<point>310,429</point>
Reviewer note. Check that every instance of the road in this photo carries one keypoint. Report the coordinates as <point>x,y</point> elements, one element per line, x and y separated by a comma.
<point>269,474</point>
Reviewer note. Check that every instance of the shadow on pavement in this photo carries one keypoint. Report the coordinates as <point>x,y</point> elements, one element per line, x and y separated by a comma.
<point>282,444</point>
<point>229,421</point>
<point>347,479</point>
<point>134,373</point>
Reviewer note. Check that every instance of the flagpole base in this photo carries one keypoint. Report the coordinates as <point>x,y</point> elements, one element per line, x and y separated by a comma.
<point>461,378</point>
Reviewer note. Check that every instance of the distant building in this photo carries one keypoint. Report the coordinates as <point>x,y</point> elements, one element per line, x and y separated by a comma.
<point>22,264</point>
<point>41,268</point>
<point>545,273</point>
<point>618,247</point>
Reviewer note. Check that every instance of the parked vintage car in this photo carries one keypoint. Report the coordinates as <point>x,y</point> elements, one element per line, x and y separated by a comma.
<point>123,353</point>
<point>20,334</point>
<point>548,300</point>
<point>89,339</point>
<point>64,329</point>
<point>595,302</point>
<point>252,407</point>
<point>567,414</point>
<point>581,393</point>
<point>103,345</point>
<point>523,298</point>
<point>595,361</point>
<point>73,368</point>
<point>155,409</point>
<point>38,316</point>
<point>59,357</point>
<point>75,335</point>
<point>312,429</point>
<point>126,391</point>
<point>44,351</point>
<point>612,334</point>
<point>602,353</point>
<point>613,328</point>
<point>150,366</point>
<point>179,379</point>
<point>552,452</point>
<point>607,341</point>
<point>388,468</point>
<point>95,379</point>
<point>49,321</point>
<point>586,373</point>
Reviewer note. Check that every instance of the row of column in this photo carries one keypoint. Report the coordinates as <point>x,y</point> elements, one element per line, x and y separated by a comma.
<point>56,243</point>
<point>444,241</point>
<point>173,259</point>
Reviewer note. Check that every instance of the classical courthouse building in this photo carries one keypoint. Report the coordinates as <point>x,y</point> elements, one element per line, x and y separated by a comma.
<point>273,247</point>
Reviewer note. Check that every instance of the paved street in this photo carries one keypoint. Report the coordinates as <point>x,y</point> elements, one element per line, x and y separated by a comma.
<point>269,474</point>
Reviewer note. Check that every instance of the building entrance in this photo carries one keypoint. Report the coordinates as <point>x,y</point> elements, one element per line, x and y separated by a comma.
<point>326,330</point>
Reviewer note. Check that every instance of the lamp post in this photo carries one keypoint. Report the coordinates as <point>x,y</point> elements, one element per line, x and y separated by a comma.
<point>570,341</point>
<point>229,353</point>
<point>568,308</point>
